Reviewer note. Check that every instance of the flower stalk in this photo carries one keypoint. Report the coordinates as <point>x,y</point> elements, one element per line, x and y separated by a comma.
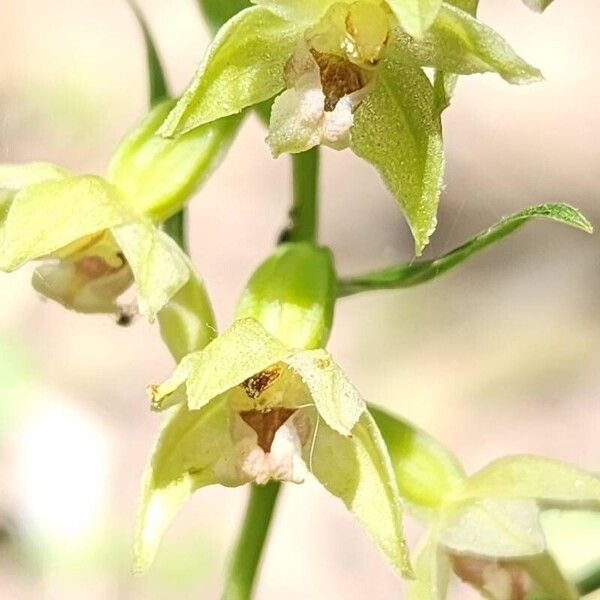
<point>243,568</point>
<point>304,214</point>
<point>246,558</point>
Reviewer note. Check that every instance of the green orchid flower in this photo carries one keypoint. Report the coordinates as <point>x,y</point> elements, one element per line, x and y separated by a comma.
<point>485,528</point>
<point>96,235</point>
<point>252,407</point>
<point>347,73</point>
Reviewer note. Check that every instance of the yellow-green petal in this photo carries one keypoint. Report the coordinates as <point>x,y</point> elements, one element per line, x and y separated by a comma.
<point>548,481</point>
<point>242,351</point>
<point>17,176</point>
<point>336,399</point>
<point>357,470</point>
<point>397,129</point>
<point>243,66</point>
<point>305,12</point>
<point>415,16</point>
<point>45,217</point>
<point>188,446</point>
<point>187,322</point>
<point>494,529</point>
<point>432,569</point>
<point>159,266</point>
<point>157,175</point>
<point>459,43</point>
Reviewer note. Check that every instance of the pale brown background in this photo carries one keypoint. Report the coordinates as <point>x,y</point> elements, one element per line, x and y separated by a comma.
<point>500,356</point>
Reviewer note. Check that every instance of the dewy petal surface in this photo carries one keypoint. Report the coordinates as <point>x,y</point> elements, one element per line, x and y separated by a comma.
<point>398,131</point>
<point>159,267</point>
<point>17,176</point>
<point>548,481</point>
<point>46,216</point>
<point>243,66</point>
<point>189,445</point>
<point>494,528</point>
<point>459,43</point>
<point>243,350</point>
<point>336,399</point>
<point>358,471</point>
<point>432,569</point>
<point>305,12</point>
<point>415,16</point>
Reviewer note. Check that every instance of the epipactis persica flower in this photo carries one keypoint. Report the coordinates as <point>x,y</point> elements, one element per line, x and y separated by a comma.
<point>485,528</point>
<point>348,73</point>
<point>265,401</point>
<point>96,235</point>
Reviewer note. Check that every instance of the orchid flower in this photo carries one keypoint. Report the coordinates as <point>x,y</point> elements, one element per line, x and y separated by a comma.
<point>96,235</point>
<point>486,527</point>
<point>252,407</point>
<point>347,73</point>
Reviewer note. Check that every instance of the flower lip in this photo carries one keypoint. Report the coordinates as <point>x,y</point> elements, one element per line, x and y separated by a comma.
<point>266,424</point>
<point>339,77</point>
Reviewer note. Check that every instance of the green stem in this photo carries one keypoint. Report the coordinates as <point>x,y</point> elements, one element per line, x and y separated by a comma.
<point>244,565</point>
<point>175,227</point>
<point>304,214</point>
<point>590,583</point>
<point>246,559</point>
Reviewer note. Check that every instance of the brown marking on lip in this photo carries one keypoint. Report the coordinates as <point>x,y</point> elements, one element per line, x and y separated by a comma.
<point>339,77</point>
<point>266,424</point>
<point>472,570</point>
<point>254,386</point>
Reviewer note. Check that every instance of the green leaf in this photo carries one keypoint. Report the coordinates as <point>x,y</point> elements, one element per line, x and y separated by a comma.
<point>547,481</point>
<point>159,266</point>
<point>218,12</point>
<point>291,295</point>
<point>425,471</point>
<point>415,16</point>
<point>397,130</point>
<point>538,5</point>
<point>189,444</point>
<point>416,273</point>
<point>494,529</point>
<point>459,43</point>
<point>244,66</point>
<point>158,175</point>
<point>187,322</point>
<point>45,217</point>
<point>358,471</point>
<point>432,570</point>
<point>157,83</point>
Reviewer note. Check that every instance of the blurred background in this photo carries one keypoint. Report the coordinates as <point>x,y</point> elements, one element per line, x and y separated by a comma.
<point>500,356</point>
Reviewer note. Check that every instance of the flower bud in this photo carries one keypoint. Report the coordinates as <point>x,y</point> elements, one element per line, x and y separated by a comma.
<point>158,175</point>
<point>425,471</point>
<point>292,295</point>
